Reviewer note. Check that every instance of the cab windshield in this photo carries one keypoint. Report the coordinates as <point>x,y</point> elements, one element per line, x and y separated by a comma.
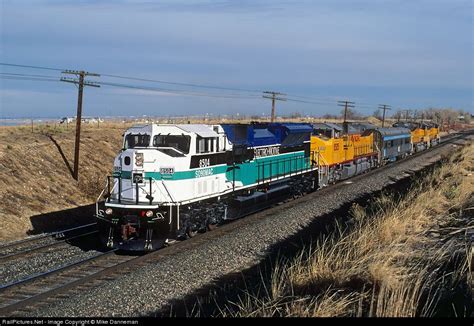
<point>137,140</point>
<point>179,142</point>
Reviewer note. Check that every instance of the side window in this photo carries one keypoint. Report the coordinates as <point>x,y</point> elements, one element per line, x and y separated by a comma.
<point>205,145</point>
<point>200,145</point>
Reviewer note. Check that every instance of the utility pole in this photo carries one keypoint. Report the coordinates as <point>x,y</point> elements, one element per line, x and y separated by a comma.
<point>274,96</point>
<point>346,105</point>
<point>81,83</point>
<point>384,107</point>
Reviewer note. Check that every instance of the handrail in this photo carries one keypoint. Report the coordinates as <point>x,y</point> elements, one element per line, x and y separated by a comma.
<point>107,186</point>
<point>135,185</point>
<point>166,188</point>
<point>97,201</point>
<point>321,157</point>
<point>294,168</point>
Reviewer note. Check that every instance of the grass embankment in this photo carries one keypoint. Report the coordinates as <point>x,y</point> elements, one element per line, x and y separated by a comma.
<point>35,178</point>
<point>406,256</point>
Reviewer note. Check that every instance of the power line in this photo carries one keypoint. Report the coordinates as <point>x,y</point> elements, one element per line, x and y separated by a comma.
<point>146,79</point>
<point>28,78</point>
<point>160,90</point>
<point>292,97</point>
<point>178,92</point>
<point>313,98</point>
<point>25,75</point>
<point>310,102</point>
<point>26,66</point>
<point>184,84</point>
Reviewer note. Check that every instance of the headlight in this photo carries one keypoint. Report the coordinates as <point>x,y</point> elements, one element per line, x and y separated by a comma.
<point>149,213</point>
<point>139,159</point>
<point>108,211</point>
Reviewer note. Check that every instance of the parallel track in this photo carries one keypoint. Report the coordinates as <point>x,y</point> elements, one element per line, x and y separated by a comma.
<point>30,291</point>
<point>21,248</point>
<point>28,295</point>
<point>45,247</point>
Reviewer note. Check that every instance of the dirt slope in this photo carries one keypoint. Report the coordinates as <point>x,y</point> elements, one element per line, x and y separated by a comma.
<point>35,179</point>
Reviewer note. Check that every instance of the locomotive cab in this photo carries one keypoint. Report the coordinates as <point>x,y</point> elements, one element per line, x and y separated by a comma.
<point>159,168</point>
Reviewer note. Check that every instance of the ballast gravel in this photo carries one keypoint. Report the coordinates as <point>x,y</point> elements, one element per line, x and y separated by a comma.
<point>36,263</point>
<point>149,288</point>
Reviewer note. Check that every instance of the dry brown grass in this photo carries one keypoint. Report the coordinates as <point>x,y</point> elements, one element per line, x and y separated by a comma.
<point>34,179</point>
<point>388,263</point>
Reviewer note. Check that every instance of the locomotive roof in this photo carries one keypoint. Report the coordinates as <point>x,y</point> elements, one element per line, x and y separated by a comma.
<point>201,130</point>
<point>327,125</point>
<point>362,126</point>
<point>263,134</point>
<point>401,124</point>
<point>296,127</point>
<point>393,131</point>
<point>388,131</point>
<point>414,125</point>
<point>336,126</point>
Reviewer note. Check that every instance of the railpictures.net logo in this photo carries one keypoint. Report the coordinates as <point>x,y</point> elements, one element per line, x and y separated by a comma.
<point>72,322</point>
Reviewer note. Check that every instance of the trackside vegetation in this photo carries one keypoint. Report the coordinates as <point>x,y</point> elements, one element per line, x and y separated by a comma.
<point>403,255</point>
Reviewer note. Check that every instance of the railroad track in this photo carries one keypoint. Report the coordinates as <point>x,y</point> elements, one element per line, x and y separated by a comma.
<point>25,247</point>
<point>28,295</point>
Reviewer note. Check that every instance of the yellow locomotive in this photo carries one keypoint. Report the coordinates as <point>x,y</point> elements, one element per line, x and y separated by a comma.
<point>423,134</point>
<point>341,154</point>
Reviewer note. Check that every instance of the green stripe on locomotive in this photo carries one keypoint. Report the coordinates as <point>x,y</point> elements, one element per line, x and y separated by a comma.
<point>258,170</point>
<point>179,175</point>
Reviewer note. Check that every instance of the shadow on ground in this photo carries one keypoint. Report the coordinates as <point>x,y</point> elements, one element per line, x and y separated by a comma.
<point>60,220</point>
<point>66,162</point>
<point>68,219</point>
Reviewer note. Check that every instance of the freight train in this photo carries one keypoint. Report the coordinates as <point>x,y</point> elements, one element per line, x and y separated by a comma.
<point>170,182</point>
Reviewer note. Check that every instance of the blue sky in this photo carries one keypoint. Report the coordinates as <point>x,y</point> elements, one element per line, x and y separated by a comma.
<point>406,53</point>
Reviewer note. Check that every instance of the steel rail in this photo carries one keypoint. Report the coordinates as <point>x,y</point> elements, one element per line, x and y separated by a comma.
<point>43,236</point>
<point>16,295</point>
<point>6,258</point>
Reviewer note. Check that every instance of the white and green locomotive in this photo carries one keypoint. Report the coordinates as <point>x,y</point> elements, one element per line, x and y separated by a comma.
<point>171,181</point>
